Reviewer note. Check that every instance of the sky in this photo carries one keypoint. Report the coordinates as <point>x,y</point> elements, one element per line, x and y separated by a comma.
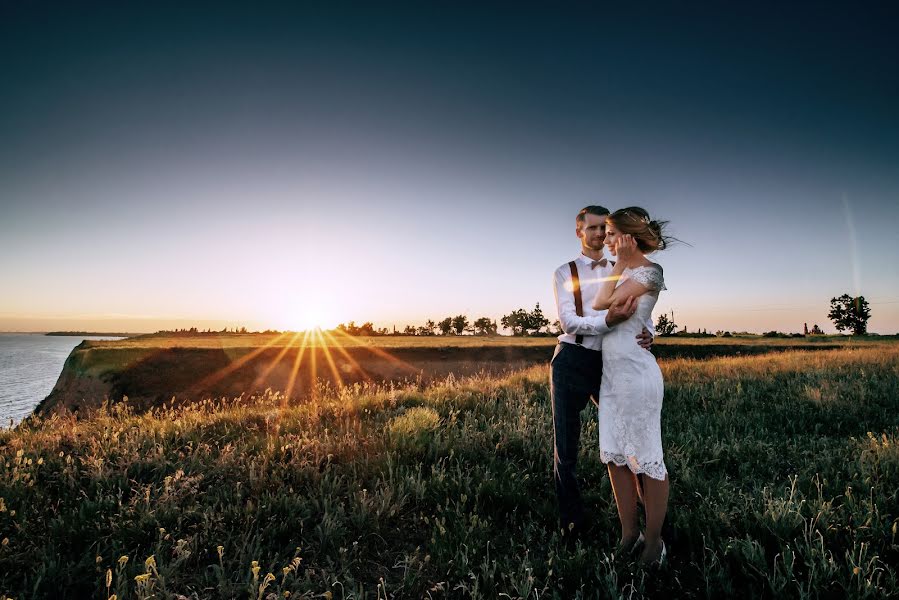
<point>288,164</point>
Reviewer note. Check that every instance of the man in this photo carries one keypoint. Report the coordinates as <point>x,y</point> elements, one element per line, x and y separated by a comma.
<point>577,362</point>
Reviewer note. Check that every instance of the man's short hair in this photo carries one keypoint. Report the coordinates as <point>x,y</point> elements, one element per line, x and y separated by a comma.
<point>599,211</point>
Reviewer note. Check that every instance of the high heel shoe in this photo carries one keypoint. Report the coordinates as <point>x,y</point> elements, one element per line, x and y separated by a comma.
<point>661,561</point>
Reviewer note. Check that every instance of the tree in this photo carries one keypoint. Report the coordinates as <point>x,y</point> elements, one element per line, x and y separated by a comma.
<point>366,328</point>
<point>850,313</point>
<point>460,322</point>
<point>522,322</point>
<point>537,320</point>
<point>484,326</point>
<point>665,326</point>
<point>445,326</point>
<point>516,321</point>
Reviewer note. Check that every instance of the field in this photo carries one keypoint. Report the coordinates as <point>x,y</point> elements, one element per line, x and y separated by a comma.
<point>335,339</point>
<point>784,466</point>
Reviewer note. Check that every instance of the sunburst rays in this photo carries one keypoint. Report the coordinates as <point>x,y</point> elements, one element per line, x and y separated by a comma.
<point>379,352</point>
<point>263,376</point>
<point>291,381</point>
<point>333,345</point>
<point>346,355</point>
<point>234,365</point>
<point>338,379</point>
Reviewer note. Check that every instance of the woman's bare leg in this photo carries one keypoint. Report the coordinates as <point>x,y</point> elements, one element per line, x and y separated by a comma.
<point>655,502</point>
<point>624,486</point>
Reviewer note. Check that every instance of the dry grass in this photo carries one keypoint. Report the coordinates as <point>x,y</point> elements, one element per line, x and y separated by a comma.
<point>785,484</point>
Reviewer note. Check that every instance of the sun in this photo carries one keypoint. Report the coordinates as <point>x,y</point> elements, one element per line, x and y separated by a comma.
<point>312,317</point>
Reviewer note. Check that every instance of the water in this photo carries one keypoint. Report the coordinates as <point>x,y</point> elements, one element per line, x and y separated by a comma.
<point>30,364</point>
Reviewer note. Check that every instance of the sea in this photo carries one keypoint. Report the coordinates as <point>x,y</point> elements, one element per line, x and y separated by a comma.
<point>30,364</point>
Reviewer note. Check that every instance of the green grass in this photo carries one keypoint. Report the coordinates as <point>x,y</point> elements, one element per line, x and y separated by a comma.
<point>785,483</point>
<point>156,341</point>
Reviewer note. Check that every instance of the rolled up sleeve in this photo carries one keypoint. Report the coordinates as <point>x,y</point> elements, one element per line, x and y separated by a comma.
<point>568,318</point>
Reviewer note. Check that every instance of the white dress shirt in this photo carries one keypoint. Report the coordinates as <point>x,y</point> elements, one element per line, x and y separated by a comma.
<point>593,324</point>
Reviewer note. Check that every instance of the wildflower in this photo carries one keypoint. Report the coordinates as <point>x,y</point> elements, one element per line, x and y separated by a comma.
<point>123,560</point>
<point>108,577</point>
<point>40,461</point>
<point>98,559</point>
<point>856,571</point>
<point>142,578</point>
<point>220,550</point>
<point>5,542</point>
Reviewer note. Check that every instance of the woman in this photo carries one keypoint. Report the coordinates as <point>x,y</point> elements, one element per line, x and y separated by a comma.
<point>630,404</point>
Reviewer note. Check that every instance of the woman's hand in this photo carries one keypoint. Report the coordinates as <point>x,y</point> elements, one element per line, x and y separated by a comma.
<point>626,248</point>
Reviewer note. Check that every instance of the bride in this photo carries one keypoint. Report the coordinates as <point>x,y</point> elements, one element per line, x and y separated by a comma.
<point>630,403</point>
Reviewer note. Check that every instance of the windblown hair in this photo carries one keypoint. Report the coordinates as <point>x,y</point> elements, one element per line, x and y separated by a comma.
<point>649,235</point>
<point>599,211</point>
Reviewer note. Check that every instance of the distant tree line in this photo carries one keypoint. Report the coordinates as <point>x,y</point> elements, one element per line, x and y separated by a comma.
<point>520,322</point>
<point>194,331</point>
<point>847,313</point>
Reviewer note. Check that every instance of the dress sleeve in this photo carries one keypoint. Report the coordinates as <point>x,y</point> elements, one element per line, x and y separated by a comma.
<point>650,276</point>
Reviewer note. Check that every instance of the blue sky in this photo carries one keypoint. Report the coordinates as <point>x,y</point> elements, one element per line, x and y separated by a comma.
<point>163,165</point>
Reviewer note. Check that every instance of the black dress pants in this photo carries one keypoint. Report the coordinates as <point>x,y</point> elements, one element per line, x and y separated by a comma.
<point>576,375</point>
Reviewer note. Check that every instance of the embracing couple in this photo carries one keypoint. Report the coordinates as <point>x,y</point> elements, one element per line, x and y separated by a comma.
<point>605,310</point>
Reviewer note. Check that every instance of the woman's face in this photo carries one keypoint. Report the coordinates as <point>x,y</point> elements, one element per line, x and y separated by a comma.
<point>612,236</point>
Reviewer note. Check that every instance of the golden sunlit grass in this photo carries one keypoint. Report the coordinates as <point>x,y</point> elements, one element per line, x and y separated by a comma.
<point>785,479</point>
<point>337,338</point>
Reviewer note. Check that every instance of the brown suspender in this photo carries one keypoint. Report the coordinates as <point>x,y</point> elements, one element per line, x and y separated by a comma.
<point>578,303</point>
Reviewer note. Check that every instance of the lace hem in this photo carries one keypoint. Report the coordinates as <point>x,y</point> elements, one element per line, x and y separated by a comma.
<point>656,470</point>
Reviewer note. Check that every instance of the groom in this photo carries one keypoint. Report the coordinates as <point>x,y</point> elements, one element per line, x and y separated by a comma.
<point>577,362</point>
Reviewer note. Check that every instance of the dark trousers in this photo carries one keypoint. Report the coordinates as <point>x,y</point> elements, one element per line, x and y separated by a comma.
<point>576,375</point>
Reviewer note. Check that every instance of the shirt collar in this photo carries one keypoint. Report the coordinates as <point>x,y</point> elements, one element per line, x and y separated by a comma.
<point>585,260</point>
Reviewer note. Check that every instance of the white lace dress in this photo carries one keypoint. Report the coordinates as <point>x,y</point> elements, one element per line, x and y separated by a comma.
<point>630,397</point>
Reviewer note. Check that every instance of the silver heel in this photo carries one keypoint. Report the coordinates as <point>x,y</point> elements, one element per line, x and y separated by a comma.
<point>639,542</point>
<point>662,556</point>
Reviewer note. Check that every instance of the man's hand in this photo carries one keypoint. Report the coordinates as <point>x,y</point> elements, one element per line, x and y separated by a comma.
<point>626,248</point>
<point>621,311</point>
<point>644,339</point>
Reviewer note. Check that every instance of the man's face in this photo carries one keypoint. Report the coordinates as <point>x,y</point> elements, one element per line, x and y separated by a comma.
<point>592,231</point>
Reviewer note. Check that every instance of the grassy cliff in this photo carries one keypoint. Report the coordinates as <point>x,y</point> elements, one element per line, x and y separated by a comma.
<point>153,369</point>
<point>785,483</point>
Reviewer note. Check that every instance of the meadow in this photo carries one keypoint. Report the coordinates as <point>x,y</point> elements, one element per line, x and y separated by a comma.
<point>784,466</point>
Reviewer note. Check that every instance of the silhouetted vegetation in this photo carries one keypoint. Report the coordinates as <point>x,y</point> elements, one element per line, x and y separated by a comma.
<point>665,326</point>
<point>848,313</point>
<point>196,332</point>
<point>89,334</point>
<point>522,322</point>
